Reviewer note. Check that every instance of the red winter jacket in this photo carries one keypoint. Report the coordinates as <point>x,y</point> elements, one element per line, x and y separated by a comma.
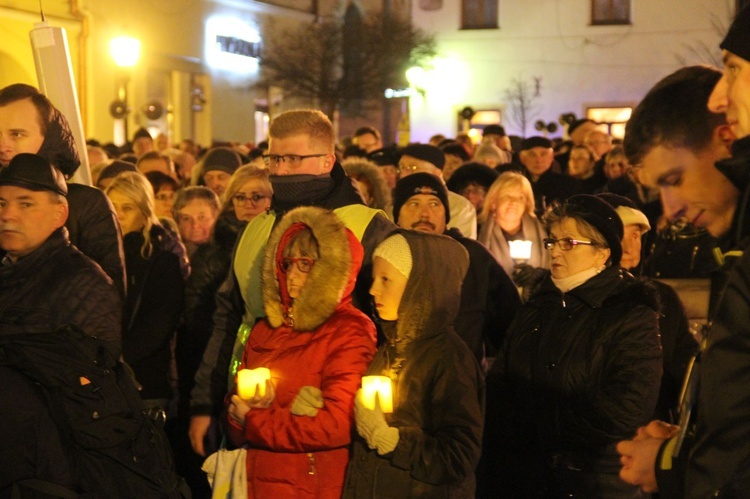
<point>328,344</point>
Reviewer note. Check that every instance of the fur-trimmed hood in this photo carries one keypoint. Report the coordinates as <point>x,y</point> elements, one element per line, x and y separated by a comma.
<point>331,279</point>
<point>359,167</point>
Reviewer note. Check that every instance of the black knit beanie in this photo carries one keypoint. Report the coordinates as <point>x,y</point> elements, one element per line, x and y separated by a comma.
<point>737,40</point>
<point>420,183</point>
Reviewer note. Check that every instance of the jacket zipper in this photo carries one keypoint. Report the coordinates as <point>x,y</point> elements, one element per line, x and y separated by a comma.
<point>311,457</point>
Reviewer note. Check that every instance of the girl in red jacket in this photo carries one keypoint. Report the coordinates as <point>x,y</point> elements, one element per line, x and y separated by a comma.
<point>317,346</point>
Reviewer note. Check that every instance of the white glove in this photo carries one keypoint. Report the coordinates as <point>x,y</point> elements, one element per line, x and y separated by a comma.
<point>307,402</point>
<point>371,425</point>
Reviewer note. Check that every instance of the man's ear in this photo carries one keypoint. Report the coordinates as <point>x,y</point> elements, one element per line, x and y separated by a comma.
<point>330,161</point>
<point>61,214</point>
<point>725,135</point>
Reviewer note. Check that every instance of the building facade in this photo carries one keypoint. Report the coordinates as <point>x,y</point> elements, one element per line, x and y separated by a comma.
<point>547,58</point>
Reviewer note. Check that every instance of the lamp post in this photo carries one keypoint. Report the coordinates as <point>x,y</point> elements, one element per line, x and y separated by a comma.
<point>125,52</point>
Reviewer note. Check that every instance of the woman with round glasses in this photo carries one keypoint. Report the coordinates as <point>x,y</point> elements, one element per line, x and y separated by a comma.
<point>317,346</point>
<point>579,370</point>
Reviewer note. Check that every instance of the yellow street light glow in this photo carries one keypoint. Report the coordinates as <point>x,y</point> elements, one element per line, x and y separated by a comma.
<point>125,51</point>
<point>416,76</point>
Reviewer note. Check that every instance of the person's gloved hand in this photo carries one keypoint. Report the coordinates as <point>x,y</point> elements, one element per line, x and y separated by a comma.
<point>371,425</point>
<point>307,402</point>
<point>526,275</point>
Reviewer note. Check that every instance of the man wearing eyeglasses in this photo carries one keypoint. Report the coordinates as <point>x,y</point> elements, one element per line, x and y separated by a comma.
<point>708,454</point>
<point>304,172</point>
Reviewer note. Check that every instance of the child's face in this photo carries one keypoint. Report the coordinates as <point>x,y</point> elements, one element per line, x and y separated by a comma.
<point>297,269</point>
<point>387,288</point>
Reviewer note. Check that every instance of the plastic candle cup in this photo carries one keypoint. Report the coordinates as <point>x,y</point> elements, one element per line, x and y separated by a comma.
<point>250,380</point>
<point>377,389</point>
<point>520,250</point>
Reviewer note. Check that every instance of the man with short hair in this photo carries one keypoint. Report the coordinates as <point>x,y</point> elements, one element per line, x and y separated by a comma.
<point>430,159</point>
<point>304,172</point>
<point>708,455</point>
<point>154,161</point>
<point>143,142</point>
<point>537,157</point>
<point>368,139</point>
<point>29,123</point>
<point>489,299</point>
<point>599,142</point>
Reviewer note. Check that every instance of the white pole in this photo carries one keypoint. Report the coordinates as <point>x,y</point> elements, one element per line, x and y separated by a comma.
<point>54,72</point>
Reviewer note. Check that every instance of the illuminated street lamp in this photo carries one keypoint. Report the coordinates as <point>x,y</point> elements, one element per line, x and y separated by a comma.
<point>125,52</point>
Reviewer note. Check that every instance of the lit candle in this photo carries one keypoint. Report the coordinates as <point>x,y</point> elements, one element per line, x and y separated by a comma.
<point>377,389</point>
<point>250,380</point>
<point>520,250</point>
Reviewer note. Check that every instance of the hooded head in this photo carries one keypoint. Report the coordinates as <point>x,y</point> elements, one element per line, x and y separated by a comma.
<point>331,279</point>
<point>433,291</point>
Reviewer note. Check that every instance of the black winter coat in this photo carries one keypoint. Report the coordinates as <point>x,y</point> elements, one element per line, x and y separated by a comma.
<point>56,285</point>
<point>210,266</point>
<point>93,228</point>
<point>578,372</point>
<point>155,299</point>
<point>716,455</point>
<point>489,300</point>
<point>438,388</point>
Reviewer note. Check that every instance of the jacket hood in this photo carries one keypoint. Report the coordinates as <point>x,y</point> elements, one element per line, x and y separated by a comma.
<point>358,167</point>
<point>331,280</point>
<point>59,146</point>
<point>433,292</point>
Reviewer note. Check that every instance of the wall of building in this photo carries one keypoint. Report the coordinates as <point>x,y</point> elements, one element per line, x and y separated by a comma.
<point>552,42</point>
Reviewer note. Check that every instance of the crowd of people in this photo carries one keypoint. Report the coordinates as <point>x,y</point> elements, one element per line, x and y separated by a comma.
<point>505,292</point>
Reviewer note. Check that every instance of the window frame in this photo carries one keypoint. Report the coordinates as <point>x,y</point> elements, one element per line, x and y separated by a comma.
<point>478,6</point>
<point>610,21</point>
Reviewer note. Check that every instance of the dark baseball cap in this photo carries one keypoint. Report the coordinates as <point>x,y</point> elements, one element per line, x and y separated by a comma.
<point>34,173</point>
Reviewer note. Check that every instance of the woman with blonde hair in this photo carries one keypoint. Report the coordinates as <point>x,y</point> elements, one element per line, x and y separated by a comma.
<point>154,263</point>
<point>508,215</point>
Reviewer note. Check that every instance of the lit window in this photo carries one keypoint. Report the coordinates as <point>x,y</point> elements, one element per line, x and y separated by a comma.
<point>479,14</point>
<point>610,11</point>
<point>613,118</point>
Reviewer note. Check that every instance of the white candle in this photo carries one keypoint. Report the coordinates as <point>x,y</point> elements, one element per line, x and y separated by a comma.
<point>380,387</point>
<point>520,250</point>
<point>250,380</point>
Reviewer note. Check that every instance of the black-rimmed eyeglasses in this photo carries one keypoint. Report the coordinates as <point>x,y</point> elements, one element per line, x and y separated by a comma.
<point>242,200</point>
<point>566,243</point>
<point>290,159</point>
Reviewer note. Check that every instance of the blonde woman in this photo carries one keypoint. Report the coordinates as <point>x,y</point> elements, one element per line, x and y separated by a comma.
<point>508,215</point>
<point>154,263</point>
